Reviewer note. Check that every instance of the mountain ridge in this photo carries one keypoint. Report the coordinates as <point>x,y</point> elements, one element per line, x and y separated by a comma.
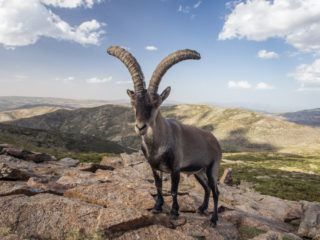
<point>237,130</point>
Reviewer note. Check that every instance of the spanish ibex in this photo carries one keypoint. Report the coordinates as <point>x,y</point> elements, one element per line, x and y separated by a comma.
<point>168,145</point>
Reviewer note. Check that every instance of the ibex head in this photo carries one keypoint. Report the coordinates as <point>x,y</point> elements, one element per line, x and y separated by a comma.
<point>146,102</point>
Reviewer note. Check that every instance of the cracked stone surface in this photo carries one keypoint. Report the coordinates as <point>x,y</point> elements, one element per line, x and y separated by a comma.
<point>61,199</point>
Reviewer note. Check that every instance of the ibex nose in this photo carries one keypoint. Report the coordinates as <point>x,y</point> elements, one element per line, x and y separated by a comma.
<point>141,126</point>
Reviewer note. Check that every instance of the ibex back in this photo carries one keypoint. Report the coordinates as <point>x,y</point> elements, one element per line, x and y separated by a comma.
<point>168,145</point>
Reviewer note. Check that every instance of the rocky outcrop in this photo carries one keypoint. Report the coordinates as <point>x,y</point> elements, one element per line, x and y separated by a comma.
<point>310,222</point>
<point>65,199</point>
<point>25,155</point>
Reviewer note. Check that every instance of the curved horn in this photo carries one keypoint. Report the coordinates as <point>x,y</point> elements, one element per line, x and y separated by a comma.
<point>132,65</point>
<point>167,63</point>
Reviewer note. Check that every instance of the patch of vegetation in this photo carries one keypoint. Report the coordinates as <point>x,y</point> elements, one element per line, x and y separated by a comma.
<point>288,176</point>
<point>5,230</point>
<point>42,140</point>
<point>286,238</point>
<point>249,232</point>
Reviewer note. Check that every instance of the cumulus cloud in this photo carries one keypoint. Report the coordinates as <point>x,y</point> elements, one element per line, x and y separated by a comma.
<point>240,84</point>
<point>267,55</point>
<point>70,3</point>
<point>264,86</point>
<point>24,22</point>
<point>308,76</point>
<point>247,85</point>
<point>151,48</point>
<point>124,82</point>
<point>99,80</point>
<point>296,21</point>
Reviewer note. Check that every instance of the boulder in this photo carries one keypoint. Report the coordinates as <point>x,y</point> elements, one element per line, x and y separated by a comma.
<point>14,152</point>
<point>74,177</point>
<point>27,155</point>
<point>68,162</point>
<point>28,168</point>
<point>115,162</point>
<point>93,167</point>
<point>243,218</point>
<point>39,157</point>
<point>199,227</point>
<point>12,188</point>
<point>132,159</point>
<point>117,219</point>
<point>47,216</point>
<point>310,222</point>
<point>187,203</point>
<point>257,204</point>
<point>112,195</point>
<point>10,173</point>
<point>226,177</point>
<point>47,186</point>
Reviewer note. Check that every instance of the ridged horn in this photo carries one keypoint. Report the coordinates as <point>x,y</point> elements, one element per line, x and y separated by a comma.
<point>167,63</point>
<point>132,65</point>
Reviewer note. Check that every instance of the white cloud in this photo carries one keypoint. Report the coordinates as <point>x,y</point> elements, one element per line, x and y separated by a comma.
<point>20,76</point>
<point>24,22</point>
<point>99,80</point>
<point>296,21</point>
<point>264,86</point>
<point>183,9</point>
<point>308,76</point>
<point>240,84</point>
<point>124,82</point>
<point>68,79</point>
<point>267,55</point>
<point>197,4</point>
<point>70,3</point>
<point>151,48</point>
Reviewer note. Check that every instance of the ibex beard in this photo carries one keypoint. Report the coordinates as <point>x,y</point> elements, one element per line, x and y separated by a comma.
<point>167,144</point>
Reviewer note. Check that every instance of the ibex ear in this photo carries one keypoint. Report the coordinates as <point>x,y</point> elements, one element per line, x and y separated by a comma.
<point>165,93</point>
<point>130,93</point>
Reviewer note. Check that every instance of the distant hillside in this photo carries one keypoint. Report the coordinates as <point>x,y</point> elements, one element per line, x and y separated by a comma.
<point>42,140</point>
<point>309,117</point>
<point>237,130</point>
<point>13,102</point>
<point>27,112</point>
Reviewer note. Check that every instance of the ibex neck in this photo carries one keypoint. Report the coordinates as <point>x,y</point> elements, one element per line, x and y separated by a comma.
<point>157,131</point>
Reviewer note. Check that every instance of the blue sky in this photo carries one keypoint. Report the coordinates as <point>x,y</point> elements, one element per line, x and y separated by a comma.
<point>259,54</point>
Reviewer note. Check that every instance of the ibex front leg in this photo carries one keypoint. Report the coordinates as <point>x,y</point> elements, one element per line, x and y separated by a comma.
<point>175,178</point>
<point>158,181</point>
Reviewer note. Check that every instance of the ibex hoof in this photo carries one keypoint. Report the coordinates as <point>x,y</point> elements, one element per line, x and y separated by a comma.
<point>202,211</point>
<point>213,223</point>
<point>156,210</point>
<point>174,215</point>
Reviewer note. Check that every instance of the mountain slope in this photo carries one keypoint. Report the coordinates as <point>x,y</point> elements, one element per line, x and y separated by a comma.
<point>27,112</point>
<point>57,141</point>
<point>309,117</point>
<point>14,102</point>
<point>237,130</point>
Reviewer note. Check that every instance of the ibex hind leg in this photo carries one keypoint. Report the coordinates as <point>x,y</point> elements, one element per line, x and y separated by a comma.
<point>212,180</point>
<point>202,179</point>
